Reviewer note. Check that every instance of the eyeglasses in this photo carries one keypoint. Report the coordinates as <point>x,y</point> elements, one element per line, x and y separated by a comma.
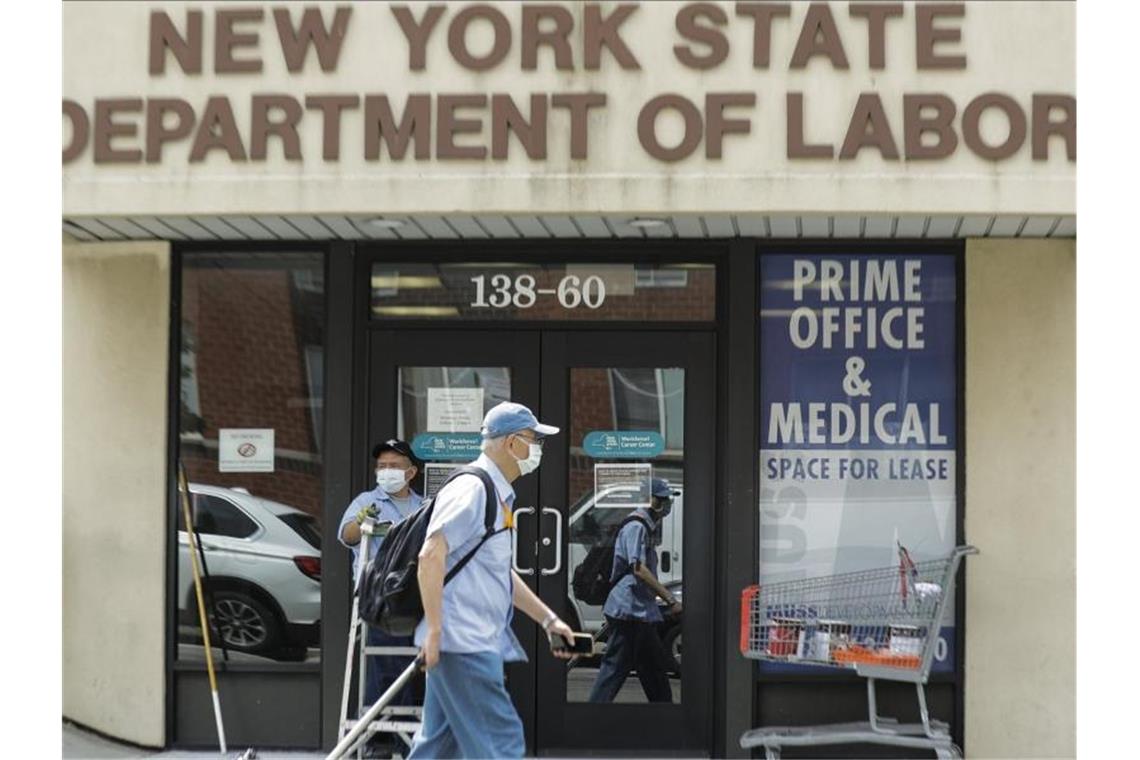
<point>535,440</point>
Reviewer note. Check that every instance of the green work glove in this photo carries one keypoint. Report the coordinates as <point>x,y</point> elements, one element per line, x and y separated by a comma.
<point>365,513</point>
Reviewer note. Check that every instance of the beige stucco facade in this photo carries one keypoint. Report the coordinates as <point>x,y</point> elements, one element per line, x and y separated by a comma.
<point>1014,48</point>
<point>116,321</point>
<point>1020,398</point>
<point>1020,320</point>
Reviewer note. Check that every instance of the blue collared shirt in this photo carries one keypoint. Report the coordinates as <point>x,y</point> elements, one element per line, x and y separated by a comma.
<point>477,603</point>
<point>631,598</point>
<point>386,509</point>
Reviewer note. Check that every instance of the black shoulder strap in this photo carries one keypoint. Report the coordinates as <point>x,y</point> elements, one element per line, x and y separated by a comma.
<point>489,514</point>
<point>627,521</point>
<point>635,518</point>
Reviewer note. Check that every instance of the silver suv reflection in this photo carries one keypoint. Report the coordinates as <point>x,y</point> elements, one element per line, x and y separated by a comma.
<point>263,561</point>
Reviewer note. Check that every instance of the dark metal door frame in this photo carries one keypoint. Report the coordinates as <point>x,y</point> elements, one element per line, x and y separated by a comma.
<point>542,710</point>
<point>684,728</point>
<point>729,691</point>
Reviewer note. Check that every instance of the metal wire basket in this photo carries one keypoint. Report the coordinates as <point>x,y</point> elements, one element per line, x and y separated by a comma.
<point>881,623</point>
<point>886,619</point>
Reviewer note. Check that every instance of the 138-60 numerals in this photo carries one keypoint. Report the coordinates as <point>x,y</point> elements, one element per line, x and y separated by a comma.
<point>520,292</point>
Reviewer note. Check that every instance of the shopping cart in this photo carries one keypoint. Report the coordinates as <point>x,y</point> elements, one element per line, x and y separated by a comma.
<point>881,623</point>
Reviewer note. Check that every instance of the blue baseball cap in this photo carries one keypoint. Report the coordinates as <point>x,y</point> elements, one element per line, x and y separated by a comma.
<point>660,488</point>
<point>509,417</point>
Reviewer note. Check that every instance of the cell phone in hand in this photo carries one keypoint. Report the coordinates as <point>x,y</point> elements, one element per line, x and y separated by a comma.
<point>583,643</point>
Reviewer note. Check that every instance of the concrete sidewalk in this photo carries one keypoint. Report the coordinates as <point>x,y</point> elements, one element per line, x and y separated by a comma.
<point>79,744</point>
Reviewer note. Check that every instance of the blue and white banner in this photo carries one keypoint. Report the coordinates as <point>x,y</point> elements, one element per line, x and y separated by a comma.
<point>858,413</point>
<point>447,446</point>
<point>623,444</point>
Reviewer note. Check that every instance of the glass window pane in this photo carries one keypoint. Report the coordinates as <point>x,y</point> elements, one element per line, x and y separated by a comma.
<point>427,404</point>
<point>626,432</point>
<point>858,410</point>
<point>512,291</point>
<point>305,526</point>
<point>217,517</point>
<point>440,412</point>
<point>251,355</point>
<point>637,399</point>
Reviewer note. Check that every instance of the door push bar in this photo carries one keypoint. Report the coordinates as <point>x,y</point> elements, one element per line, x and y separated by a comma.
<point>557,541</point>
<point>515,542</point>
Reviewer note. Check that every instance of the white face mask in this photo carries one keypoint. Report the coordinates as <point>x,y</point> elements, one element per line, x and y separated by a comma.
<point>392,481</point>
<point>534,458</point>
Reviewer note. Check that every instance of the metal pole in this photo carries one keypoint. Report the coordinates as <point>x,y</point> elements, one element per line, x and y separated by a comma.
<point>184,491</point>
<point>356,628</point>
<point>209,594</point>
<point>348,742</point>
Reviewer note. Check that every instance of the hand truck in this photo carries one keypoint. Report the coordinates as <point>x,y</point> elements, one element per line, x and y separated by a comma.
<point>881,623</point>
<point>403,721</point>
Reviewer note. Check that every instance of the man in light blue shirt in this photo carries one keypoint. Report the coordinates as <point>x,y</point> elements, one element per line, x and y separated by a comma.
<point>631,607</point>
<point>465,636</point>
<point>390,501</point>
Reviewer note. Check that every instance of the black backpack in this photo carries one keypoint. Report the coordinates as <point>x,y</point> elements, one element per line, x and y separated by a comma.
<point>389,588</point>
<point>592,583</point>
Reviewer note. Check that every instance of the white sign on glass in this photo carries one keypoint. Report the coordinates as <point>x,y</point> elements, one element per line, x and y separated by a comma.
<point>623,485</point>
<point>245,450</point>
<point>522,292</point>
<point>435,475</point>
<point>454,410</point>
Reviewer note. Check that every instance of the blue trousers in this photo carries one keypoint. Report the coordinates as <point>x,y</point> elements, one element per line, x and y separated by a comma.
<point>633,644</point>
<point>467,711</point>
<point>382,671</point>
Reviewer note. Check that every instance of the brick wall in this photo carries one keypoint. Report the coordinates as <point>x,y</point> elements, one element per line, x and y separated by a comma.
<point>591,408</point>
<point>248,329</point>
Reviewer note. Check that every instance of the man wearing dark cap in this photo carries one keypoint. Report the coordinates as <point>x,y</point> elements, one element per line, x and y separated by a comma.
<point>390,501</point>
<point>631,607</point>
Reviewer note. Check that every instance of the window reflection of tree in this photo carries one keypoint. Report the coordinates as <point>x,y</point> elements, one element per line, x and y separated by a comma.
<point>190,417</point>
<point>251,355</point>
<point>643,398</point>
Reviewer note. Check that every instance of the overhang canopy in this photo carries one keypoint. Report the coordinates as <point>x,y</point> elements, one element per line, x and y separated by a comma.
<point>508,226</point>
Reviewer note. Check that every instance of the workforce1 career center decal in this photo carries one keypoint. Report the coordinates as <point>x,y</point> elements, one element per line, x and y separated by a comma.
<point>858,412</point>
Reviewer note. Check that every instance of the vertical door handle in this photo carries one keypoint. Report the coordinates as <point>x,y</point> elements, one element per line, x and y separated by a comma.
<point>515,542</point>
<point>557,541</point>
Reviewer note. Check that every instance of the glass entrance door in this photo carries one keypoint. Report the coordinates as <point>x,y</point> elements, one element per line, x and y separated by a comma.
<point>636,409</point>
<point>637,413</point>
<point>432,388</point>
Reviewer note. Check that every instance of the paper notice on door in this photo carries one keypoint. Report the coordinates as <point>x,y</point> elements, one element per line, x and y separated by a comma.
<point>435,475</point>
<point>622,485</point>
<point>454,410</point>
<point>245,450</point>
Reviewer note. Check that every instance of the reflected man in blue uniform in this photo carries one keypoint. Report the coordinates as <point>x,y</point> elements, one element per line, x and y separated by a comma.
<point>631,607</point>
